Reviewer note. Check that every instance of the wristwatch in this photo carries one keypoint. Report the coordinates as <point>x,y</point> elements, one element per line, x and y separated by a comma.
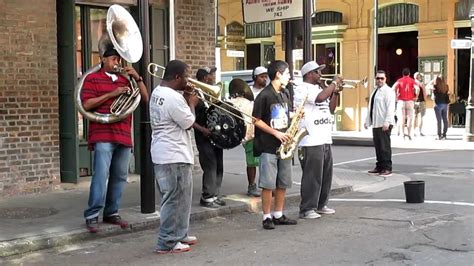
<point>140,79</point>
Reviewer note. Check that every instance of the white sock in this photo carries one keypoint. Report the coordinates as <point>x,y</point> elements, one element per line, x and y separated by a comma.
<point>278,214</point>
<point>265,216</point>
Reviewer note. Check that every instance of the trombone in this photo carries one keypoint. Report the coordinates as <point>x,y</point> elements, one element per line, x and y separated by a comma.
<point>348,83</point>
<point>203,90</point>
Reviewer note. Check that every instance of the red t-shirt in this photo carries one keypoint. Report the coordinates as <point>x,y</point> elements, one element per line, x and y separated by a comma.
<point>406,89</point>
<point>97,84</point>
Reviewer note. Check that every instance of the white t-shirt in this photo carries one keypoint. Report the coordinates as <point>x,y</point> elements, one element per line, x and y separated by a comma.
<point>171,120</point>
<point>245,106</point>
<point>317,119</point>
<point>256,91</point>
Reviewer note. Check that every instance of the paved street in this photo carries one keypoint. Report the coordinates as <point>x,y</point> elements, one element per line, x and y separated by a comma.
<point>373,225</point>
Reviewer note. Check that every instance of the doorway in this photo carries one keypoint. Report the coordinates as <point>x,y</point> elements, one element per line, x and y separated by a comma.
<point>397,51</point>
<point>463,60</point>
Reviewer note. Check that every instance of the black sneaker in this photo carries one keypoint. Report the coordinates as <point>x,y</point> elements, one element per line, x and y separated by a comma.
<point>117,220</point>
<point>208,204</point>
<point>268,224</point>
<point>283,220</point>
<point>374,171</point>
<point>92,225</point>
<point>219,201</point>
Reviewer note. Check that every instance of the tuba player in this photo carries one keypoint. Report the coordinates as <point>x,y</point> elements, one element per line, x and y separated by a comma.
<point>111,143</point>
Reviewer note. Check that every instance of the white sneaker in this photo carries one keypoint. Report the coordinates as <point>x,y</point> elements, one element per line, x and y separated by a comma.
<point>178,248</point>
<point>311,214</point>
<point>189,240</point>
<point>326,210</point>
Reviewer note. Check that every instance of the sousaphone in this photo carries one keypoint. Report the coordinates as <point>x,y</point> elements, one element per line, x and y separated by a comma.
<point>124,35</point>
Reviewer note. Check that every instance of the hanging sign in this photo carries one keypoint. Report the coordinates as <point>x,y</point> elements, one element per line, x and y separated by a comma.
<point>268,10</point>
<point>461,44</point>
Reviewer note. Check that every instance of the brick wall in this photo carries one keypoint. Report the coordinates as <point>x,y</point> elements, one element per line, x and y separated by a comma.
<point>195,32</point>
<point>29,125</point>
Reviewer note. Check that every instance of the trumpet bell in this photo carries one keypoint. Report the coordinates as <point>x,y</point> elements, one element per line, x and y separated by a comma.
<point>211,90</point>
<point>124,34</point>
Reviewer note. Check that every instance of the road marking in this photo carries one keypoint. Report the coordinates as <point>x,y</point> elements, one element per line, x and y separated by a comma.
<point>401,200</point>
<point>373,158</point>
<point>393,155</point>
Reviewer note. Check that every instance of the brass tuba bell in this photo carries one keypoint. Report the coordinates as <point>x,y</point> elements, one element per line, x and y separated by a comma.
<point>124,35</point>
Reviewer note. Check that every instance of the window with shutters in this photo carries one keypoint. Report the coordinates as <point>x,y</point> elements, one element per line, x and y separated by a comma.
<point>398,15</point>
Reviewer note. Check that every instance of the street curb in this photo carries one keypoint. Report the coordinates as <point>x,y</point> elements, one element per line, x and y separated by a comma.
<point>28,244</point>
<point>345,141</point>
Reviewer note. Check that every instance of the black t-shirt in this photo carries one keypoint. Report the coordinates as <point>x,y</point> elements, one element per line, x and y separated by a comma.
<point>440,98</point>
<point>272,108</point>
<point>201,118</point>
<point>421,96</point>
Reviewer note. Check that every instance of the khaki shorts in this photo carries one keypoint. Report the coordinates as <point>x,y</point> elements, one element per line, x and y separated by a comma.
<point>420,108</point>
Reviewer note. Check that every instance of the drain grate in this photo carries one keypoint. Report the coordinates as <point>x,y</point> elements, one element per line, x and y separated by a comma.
<point>26,213</point>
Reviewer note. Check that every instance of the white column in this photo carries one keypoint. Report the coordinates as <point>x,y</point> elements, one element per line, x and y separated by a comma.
<point>172,32</point>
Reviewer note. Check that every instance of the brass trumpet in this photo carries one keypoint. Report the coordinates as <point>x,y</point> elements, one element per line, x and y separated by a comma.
<point>348,83</point>
<point>209,94</point>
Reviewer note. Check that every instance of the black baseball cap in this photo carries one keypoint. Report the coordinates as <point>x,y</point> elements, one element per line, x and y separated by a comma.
<point>203,72</point>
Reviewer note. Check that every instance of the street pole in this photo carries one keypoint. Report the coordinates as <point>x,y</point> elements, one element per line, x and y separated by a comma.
<point>469,134</point>
<point>376,35</point>
<point>307,31</point>
<point>147,180</point>
<point>289,46</point>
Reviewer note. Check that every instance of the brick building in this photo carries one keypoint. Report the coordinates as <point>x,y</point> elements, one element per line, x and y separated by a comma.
<point>44,48</point>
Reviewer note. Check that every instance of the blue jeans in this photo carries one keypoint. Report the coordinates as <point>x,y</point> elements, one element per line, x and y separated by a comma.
<point>441,112</point>
<point>110,175</point>
<point>175,183</point>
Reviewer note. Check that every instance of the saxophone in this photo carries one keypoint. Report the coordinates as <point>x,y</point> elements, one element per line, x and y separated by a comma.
<point>287,149</point>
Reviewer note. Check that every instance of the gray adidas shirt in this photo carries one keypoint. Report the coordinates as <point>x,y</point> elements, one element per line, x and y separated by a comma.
<point>171,120</point>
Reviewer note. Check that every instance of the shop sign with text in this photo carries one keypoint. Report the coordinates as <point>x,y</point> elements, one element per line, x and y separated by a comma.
<point>268,10</point>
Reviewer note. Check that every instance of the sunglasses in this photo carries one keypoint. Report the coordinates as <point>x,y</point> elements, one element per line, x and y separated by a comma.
<point>379,78</point>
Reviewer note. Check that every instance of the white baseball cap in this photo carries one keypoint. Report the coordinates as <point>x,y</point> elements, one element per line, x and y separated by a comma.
<point>260,70</point>
<point>310,66</point>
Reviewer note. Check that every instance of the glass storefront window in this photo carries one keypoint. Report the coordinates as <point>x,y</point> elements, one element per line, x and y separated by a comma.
<point>80,120</point>
<point>87,57</point>
<point>329,54</point>
<point>97,23</point>
<point>268,54</point>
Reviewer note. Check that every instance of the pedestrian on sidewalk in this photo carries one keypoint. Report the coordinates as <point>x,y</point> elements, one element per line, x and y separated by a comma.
<point>260,79</point>
<point>241,97</point>
<point>172,118</point>
<point>381,117</point>
<point>272,112</point>
<point>112,142</point>
<point>210,156</point>
<point>406,90</point>
<point>314,151</point>
<point>440,96</point>
<point>420,104</point>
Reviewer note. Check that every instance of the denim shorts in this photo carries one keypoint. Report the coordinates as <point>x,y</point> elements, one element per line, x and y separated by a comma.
<point>274,172</point>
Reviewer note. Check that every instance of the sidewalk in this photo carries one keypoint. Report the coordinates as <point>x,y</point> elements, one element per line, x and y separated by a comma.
<point>53,219</point>
<point>454,140</point>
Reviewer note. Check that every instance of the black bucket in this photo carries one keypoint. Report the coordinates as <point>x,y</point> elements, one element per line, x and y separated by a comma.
<point>414,191</point>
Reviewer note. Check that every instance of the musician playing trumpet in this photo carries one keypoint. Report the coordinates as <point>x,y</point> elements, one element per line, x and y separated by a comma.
<point>314,151</point>
<point>112,143</point>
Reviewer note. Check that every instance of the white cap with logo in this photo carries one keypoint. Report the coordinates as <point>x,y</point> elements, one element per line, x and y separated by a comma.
<point>260,70</point>
<point>310,66</point>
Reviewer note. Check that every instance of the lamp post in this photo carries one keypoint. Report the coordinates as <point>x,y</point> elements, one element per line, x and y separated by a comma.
<point>307,4</point>
<point>469,134</point>
<point>376,35</point>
